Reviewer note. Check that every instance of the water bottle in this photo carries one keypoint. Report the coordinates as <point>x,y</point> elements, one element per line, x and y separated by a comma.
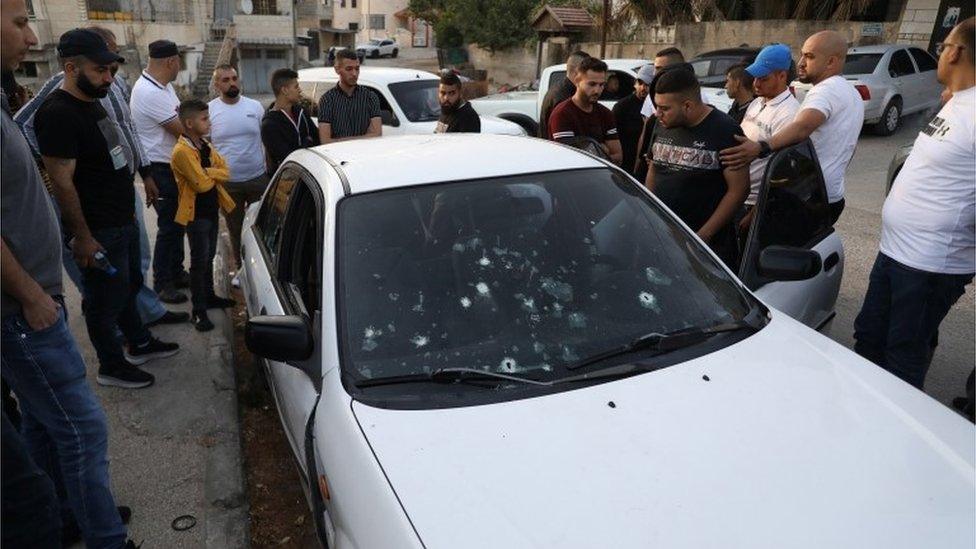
<point>101,262</point>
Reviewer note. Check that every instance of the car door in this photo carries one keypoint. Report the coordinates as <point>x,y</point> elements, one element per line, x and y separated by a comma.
<point>394,122</point>
<point>285,279</point>
<point>904,77</point>
<point>792,210</point>
<point>929,88</point>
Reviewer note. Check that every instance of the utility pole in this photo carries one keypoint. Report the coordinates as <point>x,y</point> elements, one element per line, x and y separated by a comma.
<point>294,35</point>
<point>603,35</point>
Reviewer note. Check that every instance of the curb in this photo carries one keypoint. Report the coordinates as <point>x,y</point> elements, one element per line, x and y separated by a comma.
<point>227,518</point>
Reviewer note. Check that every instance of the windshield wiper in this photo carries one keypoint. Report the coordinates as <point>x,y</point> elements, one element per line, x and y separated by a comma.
<point>448,375</point>
<point>663,343</point>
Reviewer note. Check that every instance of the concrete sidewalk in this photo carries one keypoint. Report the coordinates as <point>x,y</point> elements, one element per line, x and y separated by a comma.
<point>175,447</point>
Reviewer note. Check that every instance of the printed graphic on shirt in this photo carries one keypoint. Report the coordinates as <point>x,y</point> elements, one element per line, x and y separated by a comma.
<point>937,128</point>
<point>680,157</point>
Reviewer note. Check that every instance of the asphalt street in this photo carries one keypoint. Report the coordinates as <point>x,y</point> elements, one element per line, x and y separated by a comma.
<point>860,229</point>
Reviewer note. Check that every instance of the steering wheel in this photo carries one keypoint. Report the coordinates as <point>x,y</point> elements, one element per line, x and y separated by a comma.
<point>590,145</point>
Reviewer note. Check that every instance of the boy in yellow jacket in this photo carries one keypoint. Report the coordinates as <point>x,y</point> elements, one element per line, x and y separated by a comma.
<point>200,177</point>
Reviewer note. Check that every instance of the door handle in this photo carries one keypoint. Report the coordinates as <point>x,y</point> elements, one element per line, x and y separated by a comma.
<point>831,261</point>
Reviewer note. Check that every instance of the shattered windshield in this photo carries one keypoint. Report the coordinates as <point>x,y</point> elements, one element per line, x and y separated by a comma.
<point>520,275</point>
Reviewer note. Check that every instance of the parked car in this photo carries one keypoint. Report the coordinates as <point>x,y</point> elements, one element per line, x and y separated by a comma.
<point>524,107</point>
<point>710,67</point>
<point>331,55</point>
<point>467,352</point>
<point>894,80</point>
<point>408,98</point>
<point>378,48</point>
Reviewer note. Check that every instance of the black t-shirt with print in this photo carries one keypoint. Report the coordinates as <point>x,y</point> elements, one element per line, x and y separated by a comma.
<point>206,203</point>
<point>463,120</point>
<point>687,171</point>
<point>68,127</point>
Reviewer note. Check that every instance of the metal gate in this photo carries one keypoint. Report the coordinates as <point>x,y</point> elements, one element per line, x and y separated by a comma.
<point>257,65</point>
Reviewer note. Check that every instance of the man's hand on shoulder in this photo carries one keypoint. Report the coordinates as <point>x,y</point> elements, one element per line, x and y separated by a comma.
<point>741,155</point>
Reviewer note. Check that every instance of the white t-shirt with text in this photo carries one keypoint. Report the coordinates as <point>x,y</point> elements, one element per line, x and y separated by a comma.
<point>763,118</point>
<point>836,138</point>
<point>152,105</point>
<point>236,133</point>
<point>927,222</point>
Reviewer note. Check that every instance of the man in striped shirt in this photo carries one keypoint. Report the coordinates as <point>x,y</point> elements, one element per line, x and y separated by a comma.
<point>348,111</point>
<point>583,116</point>
<point>116,104</point>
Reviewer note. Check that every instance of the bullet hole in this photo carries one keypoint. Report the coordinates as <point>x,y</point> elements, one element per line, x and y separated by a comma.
<point>611,404</point>
<point>706,378</point>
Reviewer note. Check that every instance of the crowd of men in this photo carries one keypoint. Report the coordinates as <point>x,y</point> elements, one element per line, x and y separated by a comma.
<point>71,155</point>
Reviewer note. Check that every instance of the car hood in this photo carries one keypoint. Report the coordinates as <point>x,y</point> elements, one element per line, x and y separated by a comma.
<point>791,441</point>
<point>509,96</point>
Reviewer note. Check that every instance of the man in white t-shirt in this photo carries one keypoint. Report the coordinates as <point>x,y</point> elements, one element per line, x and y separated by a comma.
<point>772,110</point>
<point>235,129</point>
<point>153,105</point>
<point>928,233</point>
<point>831,115</point>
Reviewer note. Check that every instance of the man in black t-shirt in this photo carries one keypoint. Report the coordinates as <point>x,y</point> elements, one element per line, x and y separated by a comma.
<point>457,115</point>
<point>687,174</point>
<point>92,172</point>
<point>627,114</point>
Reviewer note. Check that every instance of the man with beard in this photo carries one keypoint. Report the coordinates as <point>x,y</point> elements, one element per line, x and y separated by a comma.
<point>685,170</point>
<point>457,115</point>
<point>90,167</point>
<point>116,104</point>
<point>626,113</point>
<point>560,93</point>
<point>583,116</point>
<point>831,115</point>
<point>236,133</point>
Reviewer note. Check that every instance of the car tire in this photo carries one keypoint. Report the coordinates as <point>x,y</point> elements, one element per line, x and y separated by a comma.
<point>890,119</point>
<point>395,53</point>
<point>375,54</point>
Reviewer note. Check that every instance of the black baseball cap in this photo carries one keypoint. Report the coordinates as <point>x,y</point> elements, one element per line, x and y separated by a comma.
<point>89,44</point>
<point>161,49</point>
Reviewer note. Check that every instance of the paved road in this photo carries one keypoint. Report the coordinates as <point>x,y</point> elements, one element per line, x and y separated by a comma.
<point>860,229</point>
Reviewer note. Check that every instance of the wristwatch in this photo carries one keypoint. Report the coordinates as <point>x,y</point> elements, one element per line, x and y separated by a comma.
<point>764,149</point>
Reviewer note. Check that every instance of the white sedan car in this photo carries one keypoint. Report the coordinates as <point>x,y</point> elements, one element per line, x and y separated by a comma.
<point>487,341</point>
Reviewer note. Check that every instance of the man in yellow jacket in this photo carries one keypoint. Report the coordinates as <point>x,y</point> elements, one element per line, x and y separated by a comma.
<point>200,177</point>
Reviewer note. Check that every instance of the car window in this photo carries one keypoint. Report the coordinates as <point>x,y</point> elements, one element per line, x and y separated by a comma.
<point>555,79</point>
<point>522,274</point>
<point>861,63</point>
<point>924,61</point>
<point>721,65</point>
<point>271,217</point>
<point>701,67</point>
<point>299,257</point>
<point>418,99</point>
<point>384,104</point>
<point>900,64</point>
<point>619,85</point>
<point>794,210</point>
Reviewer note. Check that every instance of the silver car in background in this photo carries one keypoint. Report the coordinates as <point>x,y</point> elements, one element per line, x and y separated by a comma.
<point>894,80</point>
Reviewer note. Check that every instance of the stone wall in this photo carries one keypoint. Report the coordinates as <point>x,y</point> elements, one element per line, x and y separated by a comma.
<point>917,22</point>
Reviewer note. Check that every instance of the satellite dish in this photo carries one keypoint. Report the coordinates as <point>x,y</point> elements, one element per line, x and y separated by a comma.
<point>247,6</point>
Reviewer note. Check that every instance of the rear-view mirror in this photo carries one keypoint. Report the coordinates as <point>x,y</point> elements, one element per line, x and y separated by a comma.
<point>786,263</point>
<point>281,338</point>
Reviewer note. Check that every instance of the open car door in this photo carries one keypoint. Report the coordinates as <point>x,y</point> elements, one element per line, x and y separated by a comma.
<point>792,211</point>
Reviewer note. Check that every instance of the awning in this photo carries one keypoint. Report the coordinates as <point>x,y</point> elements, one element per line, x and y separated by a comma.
<point>280,41</point>
<point>337,31</point>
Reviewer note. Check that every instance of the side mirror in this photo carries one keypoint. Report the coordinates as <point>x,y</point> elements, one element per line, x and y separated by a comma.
<point>389,119</point>
<point>786,263</point>
<point>280,338</point>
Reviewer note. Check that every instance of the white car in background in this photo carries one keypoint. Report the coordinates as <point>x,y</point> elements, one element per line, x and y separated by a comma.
<point>378,48</point>
<point>893,80</point>
<point>481,341</point>
<point>408,98</point>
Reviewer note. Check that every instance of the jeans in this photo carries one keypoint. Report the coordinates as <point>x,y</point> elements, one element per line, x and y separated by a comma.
<point>244,194</point>
<point>64,425</point>
<point>899,320</point>
<point>110,301</point>
<point>147,302</point>
<point>168,257</point>
<point>202,233</point>
<point>30,515</point>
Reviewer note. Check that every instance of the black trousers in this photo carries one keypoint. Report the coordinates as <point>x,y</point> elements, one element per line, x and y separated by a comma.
<point>202,233</point>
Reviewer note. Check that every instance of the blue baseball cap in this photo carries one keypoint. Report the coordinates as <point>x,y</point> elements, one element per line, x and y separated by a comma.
<point>771,58</point>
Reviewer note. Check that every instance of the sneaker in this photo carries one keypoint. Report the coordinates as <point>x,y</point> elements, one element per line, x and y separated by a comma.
<point>236,281</point>
<point>183,280</point>
<point>124,375</point>
<point>217,302</point>
<point>154,348</point>
<point>170,317</point>
<point>171,296</point>
<point>201,322</point>
<point>71,532</point>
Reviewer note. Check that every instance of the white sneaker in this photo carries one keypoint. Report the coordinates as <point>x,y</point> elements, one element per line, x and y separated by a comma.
<point>236,281</point>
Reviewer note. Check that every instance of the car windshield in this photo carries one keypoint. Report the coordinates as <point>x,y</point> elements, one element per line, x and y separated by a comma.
<point>375,42</point>
<point>522,275</point>
<point>418,99</point>
<point>861,63</point>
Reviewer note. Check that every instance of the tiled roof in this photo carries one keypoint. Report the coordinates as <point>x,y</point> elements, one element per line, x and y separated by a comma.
<point>569,18</point>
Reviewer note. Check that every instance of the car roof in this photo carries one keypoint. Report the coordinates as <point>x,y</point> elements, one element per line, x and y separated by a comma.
<point>401,161</point>
<point>881,48</point>
<point>726,52</point>
<point>378,75</point>
<point>613,64</point>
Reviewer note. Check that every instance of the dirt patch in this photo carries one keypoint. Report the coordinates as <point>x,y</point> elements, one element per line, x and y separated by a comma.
<point>279,514</point>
